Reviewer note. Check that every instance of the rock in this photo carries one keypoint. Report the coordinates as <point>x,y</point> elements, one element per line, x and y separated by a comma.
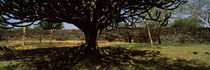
<point>2,39</point>
<point>18,45</point>
<point>195,52</point>
<point>207,52</point>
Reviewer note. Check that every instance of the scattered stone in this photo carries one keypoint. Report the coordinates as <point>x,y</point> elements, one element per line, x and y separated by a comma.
<point>18,45</point>
<point>3,39</point>
<point>195,52</point>
<point>207,52</point>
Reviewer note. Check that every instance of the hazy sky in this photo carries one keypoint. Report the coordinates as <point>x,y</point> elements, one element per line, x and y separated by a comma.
<point>66,25</point>
<point>69,26</point>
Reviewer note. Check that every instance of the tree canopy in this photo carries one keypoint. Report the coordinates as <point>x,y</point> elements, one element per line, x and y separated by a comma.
<point>91,16</point>
<point>78,12</point>
<point>48,25</point>
<point>198,8</point>
<point>189,22</point>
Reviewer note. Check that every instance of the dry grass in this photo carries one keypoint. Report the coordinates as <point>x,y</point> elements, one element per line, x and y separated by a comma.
<point>179,51</point>
<point>46,44</point>
<point>186,52</point>
<point>176,51</point>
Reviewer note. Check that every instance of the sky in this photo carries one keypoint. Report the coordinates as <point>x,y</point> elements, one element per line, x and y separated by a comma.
<point>69,26</point>
<point>66,25</point>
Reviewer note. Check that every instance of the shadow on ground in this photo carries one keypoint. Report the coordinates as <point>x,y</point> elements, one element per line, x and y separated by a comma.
<point>110,58</point>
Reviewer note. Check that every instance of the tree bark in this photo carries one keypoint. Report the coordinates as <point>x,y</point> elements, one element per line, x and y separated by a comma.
<point>24,32</point>
<point>92,32</point>
<point>149,34</point>
<point>51,34</point>
<point>40,36</point>
<point>159,32</point>
<point>91,39</point>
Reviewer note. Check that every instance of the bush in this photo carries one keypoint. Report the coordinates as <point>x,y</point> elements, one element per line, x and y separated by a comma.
<point>2,31</point>
<point>7,48</point>
<point>110,37</point>
<point>190,22</point>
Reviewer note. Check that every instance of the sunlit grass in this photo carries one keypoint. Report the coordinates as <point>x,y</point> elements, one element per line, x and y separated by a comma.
<point>173,50</point>
<point>46,44</point>
<point>4,64</point>
<point>176,50</point>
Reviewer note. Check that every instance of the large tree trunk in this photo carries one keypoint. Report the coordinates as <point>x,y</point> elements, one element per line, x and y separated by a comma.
<point>91,39</point>
<point>92,32</point>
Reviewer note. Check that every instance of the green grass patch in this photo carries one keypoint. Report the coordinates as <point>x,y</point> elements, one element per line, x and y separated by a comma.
<point>176,50</point>
<point>8,65</point>
<point>133,56</point>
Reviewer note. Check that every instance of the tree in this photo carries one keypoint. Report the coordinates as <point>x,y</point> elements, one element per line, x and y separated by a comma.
<point>189,22</point>
<point>45,26</point>
<point>24,33</point>
<point>51,26</point>
<point>198,8</point>
<point>48,26</point>
<point>160,16</point>
<point>149,33</point>
<point>156,15</point>
<point>91,16</point>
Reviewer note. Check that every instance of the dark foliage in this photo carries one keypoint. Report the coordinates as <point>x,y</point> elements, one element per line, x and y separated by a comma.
<point>189,22</point>
<point>91,16</point>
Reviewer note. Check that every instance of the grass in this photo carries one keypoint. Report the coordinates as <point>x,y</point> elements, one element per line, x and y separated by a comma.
<point>8,65</point>
<point>46,44</point>
<point>172,56</point>
<point>5,63</point>
<point>176,50</point>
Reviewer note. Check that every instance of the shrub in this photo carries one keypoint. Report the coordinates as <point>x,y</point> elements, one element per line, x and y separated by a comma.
<point>190,22</point>
<point>7,48</point>
<point>110,37</point>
